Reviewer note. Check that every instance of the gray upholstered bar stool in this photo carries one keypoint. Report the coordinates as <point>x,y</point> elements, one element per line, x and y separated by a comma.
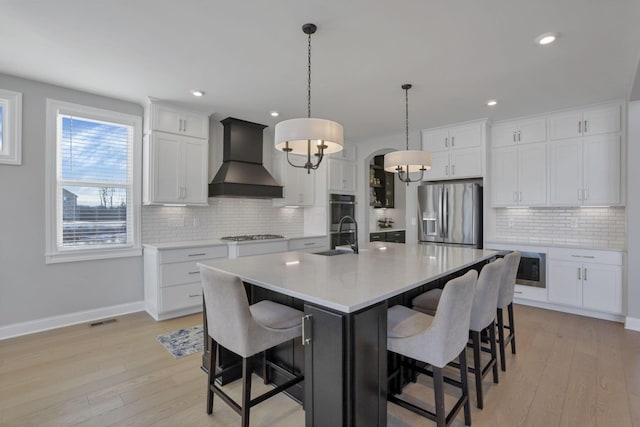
<point>482,319</point>
<point>245,330</point>
<point>505,300</point>
<point>436,341</point>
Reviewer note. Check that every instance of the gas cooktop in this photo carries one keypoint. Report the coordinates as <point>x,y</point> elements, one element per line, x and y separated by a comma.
<point>252,237</point>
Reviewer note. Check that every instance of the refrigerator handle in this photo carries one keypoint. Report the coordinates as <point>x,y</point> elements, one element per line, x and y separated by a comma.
<point>445,213</point>
<point>441,214</point>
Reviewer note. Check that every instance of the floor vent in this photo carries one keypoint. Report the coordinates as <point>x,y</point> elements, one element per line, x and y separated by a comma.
<point>102,322</point>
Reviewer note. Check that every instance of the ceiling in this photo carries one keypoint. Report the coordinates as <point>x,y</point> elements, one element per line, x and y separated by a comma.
<point>250,56</point>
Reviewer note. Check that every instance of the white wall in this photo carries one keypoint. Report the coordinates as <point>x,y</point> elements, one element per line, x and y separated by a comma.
<point>633,213</point>
<point>29,288</point>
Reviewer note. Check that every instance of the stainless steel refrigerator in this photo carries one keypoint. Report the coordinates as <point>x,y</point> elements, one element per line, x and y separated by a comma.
<point>450,213</point>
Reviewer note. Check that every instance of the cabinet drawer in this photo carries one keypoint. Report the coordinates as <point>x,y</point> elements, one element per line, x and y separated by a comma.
<point>178,273</point>
<point>193,254</point>
<point>530,293</point>
<point>311,243</point>
<point>262,248</point>
<point>376,237</point>
<point>181,296</point>
<point>586,255</point>
<point>394,236</point>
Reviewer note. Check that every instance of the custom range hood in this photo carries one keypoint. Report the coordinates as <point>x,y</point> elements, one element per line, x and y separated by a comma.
<point>242,173</point>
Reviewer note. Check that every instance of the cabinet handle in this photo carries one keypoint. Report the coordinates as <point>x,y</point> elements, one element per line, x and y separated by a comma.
<point>184,125</point>
<point>515,196</point>
<point>446,170</point>
<point>514,136</point>
<point>520,196</point>
<point>194,272</point>
<point>585,273</point>
<point>579,194</point>
<point>585,126</point>
<point>202,254</point>
<point>310,244</point>
<point>453,141</point>
<point>446,142</point>
<point>580,126</point>
<point>453,167</point>
<point>194,295</point>
<point>583,256</point>
<point>586,194</point>
<point>517,292</point>
<point>579,273</point>
<point>307,329</point>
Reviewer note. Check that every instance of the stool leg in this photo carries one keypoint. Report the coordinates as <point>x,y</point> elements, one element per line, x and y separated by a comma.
<point>213,346</point>
<point>494,355</point>
<point>512,331</point>
<point>464,380</point>
<point>438,390</point>
<point>265,369</point>
<point>503,363</point>
<point>246,390</point>
<point>477,366</point>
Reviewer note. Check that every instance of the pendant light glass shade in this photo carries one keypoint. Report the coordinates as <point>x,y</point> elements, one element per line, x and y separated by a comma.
<point>310,137</point>
<point>408,161</point>
<point>298,132</point>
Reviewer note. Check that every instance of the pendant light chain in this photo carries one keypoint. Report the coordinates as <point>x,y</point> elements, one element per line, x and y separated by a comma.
<point>309,79</point>
<point>406,103</point>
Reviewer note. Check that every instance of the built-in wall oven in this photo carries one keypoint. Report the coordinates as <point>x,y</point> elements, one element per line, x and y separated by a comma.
<point>341,205</point>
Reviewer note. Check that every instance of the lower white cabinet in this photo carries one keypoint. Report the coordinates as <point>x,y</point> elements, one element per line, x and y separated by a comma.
<point>172,285</point>
<point>586,279</point>
<point>309,244</point>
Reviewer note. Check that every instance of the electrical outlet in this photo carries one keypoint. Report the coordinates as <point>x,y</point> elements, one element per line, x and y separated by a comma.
<point>196,221</point>
<point>510,223</point>
<point>574,223</point>
<point>414,221</point>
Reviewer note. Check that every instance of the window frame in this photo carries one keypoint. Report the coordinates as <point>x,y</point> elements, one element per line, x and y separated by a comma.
<point>11,151</point>
<point>53,212</point>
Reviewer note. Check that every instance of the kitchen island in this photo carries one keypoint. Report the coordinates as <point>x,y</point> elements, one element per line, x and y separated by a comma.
<point>345,300</point>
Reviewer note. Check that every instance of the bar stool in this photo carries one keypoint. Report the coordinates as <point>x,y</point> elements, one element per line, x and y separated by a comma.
<point>482,319</point>
<point>436,341</point>
<point>245,330</point>
<point>505,300</point>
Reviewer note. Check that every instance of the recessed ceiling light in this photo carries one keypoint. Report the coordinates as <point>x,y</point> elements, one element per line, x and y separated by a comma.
<point>492,103</point>
<point>546,38</point>
<point>274,114</point>
<point>197,93</point>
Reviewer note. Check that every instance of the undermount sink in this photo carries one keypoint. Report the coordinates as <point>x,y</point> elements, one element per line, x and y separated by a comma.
<point>333,252</point>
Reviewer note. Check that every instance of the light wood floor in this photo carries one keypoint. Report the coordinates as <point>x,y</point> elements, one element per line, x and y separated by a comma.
<point>569,371</point>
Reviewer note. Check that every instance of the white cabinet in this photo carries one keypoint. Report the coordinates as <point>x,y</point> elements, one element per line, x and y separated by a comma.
<point>587,279</point>
<point>456,151</point>
<point>309,244</point>
<point>257,247</point>
<point>585,171</point>
<point>519,175</point>
<point>168,119</point>
<point>172,285</point>
<point>298,185</point>
<point>592,121</point>
<point>519,132</point>
<point>348,152</point>
<point>342,175</point>
<point>175,169</point>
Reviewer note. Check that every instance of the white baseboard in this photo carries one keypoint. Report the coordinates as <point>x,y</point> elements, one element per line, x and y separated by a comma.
<point>54,322</point>
<point>632,323</point>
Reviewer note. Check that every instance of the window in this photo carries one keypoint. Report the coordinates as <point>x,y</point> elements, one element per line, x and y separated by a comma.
<point>10,127</point>
<point>93,180</point>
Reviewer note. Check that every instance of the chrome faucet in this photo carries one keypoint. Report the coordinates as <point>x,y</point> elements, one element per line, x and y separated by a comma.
<point>354,246</point>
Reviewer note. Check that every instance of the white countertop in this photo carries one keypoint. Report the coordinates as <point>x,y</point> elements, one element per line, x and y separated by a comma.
<point>218,242</point>
<point>350,282</point>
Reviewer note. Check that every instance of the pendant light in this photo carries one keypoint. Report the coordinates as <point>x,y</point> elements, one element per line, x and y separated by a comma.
<point>308,136</point>
<point>409,161</point>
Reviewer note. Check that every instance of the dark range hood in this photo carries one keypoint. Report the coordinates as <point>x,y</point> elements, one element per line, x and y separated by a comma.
<point>242,173</point>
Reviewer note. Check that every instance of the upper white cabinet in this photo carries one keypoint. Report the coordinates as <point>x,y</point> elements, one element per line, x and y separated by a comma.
<point>585,171</point>
<point>587,122</point>
<point>169,119</point>
<point>175,157</point>
<point>519,132</point>
<point>348,152</point>
<point>456,151</point>
<point>342,175</point>
<point>518,175</point>
<point>298,185</point>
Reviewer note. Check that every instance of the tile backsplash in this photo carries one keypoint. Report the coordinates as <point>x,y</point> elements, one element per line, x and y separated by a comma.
<point>590,227</point>
<point>223,217</point>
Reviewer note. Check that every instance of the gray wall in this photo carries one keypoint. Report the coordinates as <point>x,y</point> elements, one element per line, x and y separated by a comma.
<point>633,211</point>
<point>29,288</point>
